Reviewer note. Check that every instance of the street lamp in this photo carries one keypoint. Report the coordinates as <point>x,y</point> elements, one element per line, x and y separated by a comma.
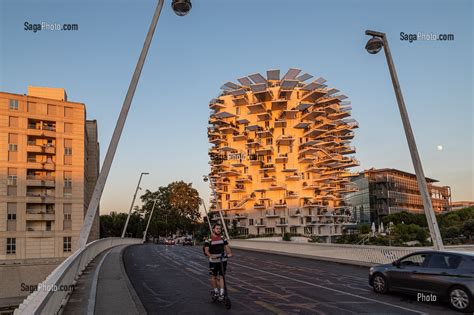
<point>149,220</point>
<point>374,45</point>
<point>213,187</point>
<point>207,214</point>
<point>180,8</point>
<point>131,206</point>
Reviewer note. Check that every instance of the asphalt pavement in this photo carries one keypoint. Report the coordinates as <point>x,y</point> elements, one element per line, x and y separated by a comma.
<point>174,280</point>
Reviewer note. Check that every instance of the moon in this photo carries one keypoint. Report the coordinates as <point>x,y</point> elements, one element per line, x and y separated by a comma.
<point>439,147</point>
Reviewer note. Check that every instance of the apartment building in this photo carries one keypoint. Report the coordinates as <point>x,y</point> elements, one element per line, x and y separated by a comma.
<point>49,163</point>
<point>281,153</point>
<point>385,191</point>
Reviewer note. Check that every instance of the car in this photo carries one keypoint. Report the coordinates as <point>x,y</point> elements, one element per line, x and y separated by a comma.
<point>188,241</point>
<point>169,241</point>
<point>431,276</point>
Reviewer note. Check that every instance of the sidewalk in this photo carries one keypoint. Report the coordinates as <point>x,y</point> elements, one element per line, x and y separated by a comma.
<point>106,277</point>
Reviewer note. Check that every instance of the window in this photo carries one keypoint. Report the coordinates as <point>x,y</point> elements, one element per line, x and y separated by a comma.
<point>13,104</point>
<point>11,216</point>
<point>13,122</point>
<point>250,221</point>
<point>441,261</point>
<point>414,260</point>
<point>12,147</point>
<point>67,127</point>
<point>67,244</point>
<point>51,110</point>
<point>48,225</point>
<point>68,112</point>
<point>67,180</point>
<point>12,179</point>
<point>293,230</point>
<point>67,151</point>
<point>237,110</point>
<point>67,210</point>
<point>11,245</point>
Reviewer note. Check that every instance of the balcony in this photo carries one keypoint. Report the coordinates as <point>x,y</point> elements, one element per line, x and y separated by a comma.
<point>40,216</point>
<point>42,181</point>
<point>277,187</point>
<point>292,177</point>
<point>259,205</point>
<point>295,213</point>
<point>256,108</point>
<point>267,168</point>
<point>282,223</point>
<point>268,178</point>
<point>271,214</point>
<point>280,205</point>
<point>285,140</point>
<point>281,158</point>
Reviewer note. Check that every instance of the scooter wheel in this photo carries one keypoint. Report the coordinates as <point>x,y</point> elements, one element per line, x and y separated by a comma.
<point>227,303</point>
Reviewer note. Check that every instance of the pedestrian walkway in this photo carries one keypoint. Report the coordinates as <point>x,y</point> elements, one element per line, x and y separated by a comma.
<point>104,288</point>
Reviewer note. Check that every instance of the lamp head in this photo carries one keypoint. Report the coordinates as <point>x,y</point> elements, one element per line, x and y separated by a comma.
<point>205,178</point>
<point>181,7</point>
<point>374,45</point>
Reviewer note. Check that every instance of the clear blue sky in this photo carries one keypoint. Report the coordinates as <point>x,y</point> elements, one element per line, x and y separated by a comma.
<point>192,56</point>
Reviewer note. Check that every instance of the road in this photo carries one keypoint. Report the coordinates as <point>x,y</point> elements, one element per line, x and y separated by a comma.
<point>173,279</point>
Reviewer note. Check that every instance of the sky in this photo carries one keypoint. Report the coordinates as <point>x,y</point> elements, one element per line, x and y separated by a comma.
<point>221,40</point>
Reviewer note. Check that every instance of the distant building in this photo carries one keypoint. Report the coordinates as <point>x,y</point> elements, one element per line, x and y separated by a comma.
<point>49,163</point>
<point>457,205</point>
<point>386,191</point>
<point>281,155</point>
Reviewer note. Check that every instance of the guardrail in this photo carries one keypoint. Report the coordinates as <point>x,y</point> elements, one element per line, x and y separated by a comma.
<point>352,254</point>
<point>49,298</point>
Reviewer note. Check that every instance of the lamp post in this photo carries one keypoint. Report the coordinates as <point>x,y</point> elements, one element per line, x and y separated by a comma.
<point>213,187</point>
<point>207,215</point>
<point>180,7</point>
<point>374,45</point>
<point>131,206</point>
<point>149,220</point>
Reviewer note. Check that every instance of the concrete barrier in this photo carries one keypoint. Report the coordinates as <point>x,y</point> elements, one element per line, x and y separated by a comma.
<point>54,291</point>
<point>361,255</point>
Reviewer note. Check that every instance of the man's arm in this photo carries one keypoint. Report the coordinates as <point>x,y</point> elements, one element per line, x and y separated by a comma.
<point>228,251</point>
<point>206,251</point>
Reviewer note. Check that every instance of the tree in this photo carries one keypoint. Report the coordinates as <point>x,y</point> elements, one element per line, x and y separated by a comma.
<point>364,228</point>
<point>111,225</point>
<point>468,229</point>
<point>405,217</point>
<point>176,209</point>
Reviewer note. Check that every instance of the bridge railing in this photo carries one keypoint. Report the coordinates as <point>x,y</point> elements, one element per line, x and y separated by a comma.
<point>354,254</point>
<point>52,293</point>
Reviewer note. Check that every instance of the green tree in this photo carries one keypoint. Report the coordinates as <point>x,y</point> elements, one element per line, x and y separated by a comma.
<point>363,228</point>
<point>468,229</point>
<point>405,217</point>
<point>111,225</point>
<point>176,209</point>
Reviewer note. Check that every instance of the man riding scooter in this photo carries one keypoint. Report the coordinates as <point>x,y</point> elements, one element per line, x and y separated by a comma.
<point>217,248</point>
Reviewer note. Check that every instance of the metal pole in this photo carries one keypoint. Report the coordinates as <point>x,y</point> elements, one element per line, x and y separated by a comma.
<point>149,220</point>
<point>131,206</point>
<point>420,176</point>
<point>207,215</point>
<point>99,186</point>
<point>219,210</point>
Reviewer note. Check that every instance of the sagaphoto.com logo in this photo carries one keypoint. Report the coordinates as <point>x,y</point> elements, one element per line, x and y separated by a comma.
<point>422,36</point>
<point>45,26</point>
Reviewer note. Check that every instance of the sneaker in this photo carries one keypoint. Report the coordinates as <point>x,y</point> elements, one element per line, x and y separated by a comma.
<point>221,297</point>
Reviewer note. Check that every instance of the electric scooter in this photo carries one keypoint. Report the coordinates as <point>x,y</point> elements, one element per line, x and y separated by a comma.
<point>226,299</point>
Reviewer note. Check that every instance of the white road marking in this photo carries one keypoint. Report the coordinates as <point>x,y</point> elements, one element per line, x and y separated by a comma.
<point>330,289</point>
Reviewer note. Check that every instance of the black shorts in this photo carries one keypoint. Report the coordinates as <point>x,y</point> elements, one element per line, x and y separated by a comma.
<point>215,268</point>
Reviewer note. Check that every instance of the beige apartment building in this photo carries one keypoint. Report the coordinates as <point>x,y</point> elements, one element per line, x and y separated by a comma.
<point>281,153</point>
<point>49,163</point>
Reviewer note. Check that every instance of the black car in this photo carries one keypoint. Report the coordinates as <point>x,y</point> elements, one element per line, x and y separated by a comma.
<point>431,276</point>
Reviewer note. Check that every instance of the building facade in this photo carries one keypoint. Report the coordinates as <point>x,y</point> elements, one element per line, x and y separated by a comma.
<point>385,191</point>
<point>281,154</point>
<point>49,164</point>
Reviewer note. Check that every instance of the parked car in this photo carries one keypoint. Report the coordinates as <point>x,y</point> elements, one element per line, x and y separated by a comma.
<point>169,241</point>
<point>431,276</point>
<point>188,241</point>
